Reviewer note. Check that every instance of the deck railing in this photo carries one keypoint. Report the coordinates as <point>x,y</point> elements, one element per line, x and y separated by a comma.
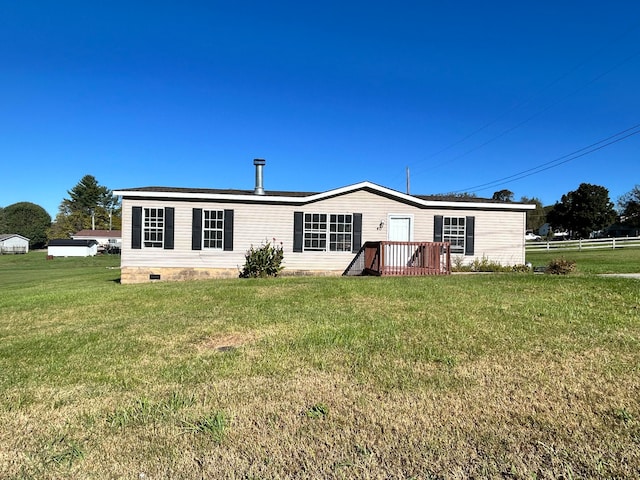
<point>402,259</point>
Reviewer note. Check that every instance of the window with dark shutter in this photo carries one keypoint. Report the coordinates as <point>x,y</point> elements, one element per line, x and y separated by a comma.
<point>437,228</point>
<point>228,230</point>
<point>357,232</point>
<point>469,236</point>
<point>298,231</point>
<point>327,232</point>
<point>169,214</point>
<point>136,228</point>
<point>196,229</point>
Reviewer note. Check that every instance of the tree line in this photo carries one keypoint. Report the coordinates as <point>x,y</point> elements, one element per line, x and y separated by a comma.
<point>584,211</point>
<point>89,206</point>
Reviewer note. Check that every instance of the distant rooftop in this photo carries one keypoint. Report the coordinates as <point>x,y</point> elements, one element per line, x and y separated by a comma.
<point>98,233</point>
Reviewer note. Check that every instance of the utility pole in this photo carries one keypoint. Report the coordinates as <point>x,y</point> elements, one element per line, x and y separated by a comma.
<point>408,182</point>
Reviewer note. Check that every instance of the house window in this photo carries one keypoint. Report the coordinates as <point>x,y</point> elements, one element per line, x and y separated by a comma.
<point>213,228</point>
<point>323,230</point>
<point>340,228</point>
<point>153,227</point>
<point>315,232</point>
<point>454,232</point>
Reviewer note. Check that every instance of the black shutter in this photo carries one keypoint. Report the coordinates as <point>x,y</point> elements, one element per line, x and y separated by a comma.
<point>469,234</point>
<point>357,233</point>
<point>298,230</point>
<point>136,228</point>
<point>228,231</point>
<point>437,228</point>
<point>196,229</point>
<point>169,213</point>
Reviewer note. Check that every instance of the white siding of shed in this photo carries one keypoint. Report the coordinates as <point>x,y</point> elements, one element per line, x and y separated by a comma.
<point>15,243</point>
<point>72,251</point>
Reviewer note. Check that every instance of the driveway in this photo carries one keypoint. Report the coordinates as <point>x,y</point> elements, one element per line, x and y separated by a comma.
<point>624,275</point>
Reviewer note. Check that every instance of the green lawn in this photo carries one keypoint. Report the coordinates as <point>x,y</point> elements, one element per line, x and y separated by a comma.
<point>485,376</point>
<point>621,260</point>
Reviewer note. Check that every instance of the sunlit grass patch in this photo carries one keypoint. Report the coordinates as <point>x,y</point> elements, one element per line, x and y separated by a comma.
<point>489,376</point>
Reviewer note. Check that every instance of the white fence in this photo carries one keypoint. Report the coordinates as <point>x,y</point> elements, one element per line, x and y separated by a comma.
<point>591,244</point>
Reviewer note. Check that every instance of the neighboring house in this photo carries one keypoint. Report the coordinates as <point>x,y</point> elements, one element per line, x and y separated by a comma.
<point>13,243</point>
<point>185,233</point>
<point>108,240</point>
<point>72,248</point>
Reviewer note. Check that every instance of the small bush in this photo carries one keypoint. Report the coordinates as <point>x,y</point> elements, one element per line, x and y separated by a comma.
<point>485,265</point>
<point>264,261</point>
<point>560,266</point>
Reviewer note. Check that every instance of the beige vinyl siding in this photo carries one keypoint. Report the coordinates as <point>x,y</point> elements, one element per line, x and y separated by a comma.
<point>498,234</point>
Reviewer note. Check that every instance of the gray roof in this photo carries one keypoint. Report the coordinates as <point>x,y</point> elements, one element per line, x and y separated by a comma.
<point>280,193</point>
<point>219,191</point>
<point>299,198</point>
<point>64,242</point>
<point>5,236</point>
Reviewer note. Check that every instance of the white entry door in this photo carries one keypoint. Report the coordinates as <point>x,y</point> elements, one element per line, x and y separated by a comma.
<point>400,230</point>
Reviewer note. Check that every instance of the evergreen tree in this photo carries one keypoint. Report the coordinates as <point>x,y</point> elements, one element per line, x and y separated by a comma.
<point>90,205</point>
<point>3,222</point>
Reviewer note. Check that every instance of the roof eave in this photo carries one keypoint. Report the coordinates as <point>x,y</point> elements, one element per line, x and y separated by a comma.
<point>252,198</point>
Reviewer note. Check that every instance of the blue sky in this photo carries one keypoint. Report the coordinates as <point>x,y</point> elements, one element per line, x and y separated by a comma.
<point>186,94</point>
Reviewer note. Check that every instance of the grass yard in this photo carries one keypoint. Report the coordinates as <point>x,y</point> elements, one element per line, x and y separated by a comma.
<point>465,376</point>
<point>621,260</point>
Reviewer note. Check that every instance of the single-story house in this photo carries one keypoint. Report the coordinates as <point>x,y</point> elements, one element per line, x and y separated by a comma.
<point>72,248</point>
<point>13,243</point>
<point>108,240</point>
<point>187,233</point>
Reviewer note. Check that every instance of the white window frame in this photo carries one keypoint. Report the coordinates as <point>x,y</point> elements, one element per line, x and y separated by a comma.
<point>327,232</point>
<point>213,229</point>
<point>454,234</point>
<point>340,232</point>
<point>153,222</point>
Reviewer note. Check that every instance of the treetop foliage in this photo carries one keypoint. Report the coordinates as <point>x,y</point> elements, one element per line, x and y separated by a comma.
<point>535,218</point>
<point>583,211</point>
<point>629,205</point>
<point>503,196</point>
<point>29,220</point>
<point>89,204</point>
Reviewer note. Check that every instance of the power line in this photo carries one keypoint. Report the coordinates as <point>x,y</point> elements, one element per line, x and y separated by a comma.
<point>531,98</point>
<point>543,110</point>
<point>594,147</point>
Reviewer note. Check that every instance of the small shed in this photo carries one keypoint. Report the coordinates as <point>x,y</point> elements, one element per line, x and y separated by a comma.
<point>13,243</point>
<point>72,248</point>
<point>108,240</point>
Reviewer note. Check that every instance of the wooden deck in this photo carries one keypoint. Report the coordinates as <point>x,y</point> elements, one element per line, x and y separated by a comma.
<point>401,259</point>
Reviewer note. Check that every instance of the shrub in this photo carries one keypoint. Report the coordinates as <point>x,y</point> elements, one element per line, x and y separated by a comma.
<point>560,266</point>
<point>264,261</point>
<point>485,265</point>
